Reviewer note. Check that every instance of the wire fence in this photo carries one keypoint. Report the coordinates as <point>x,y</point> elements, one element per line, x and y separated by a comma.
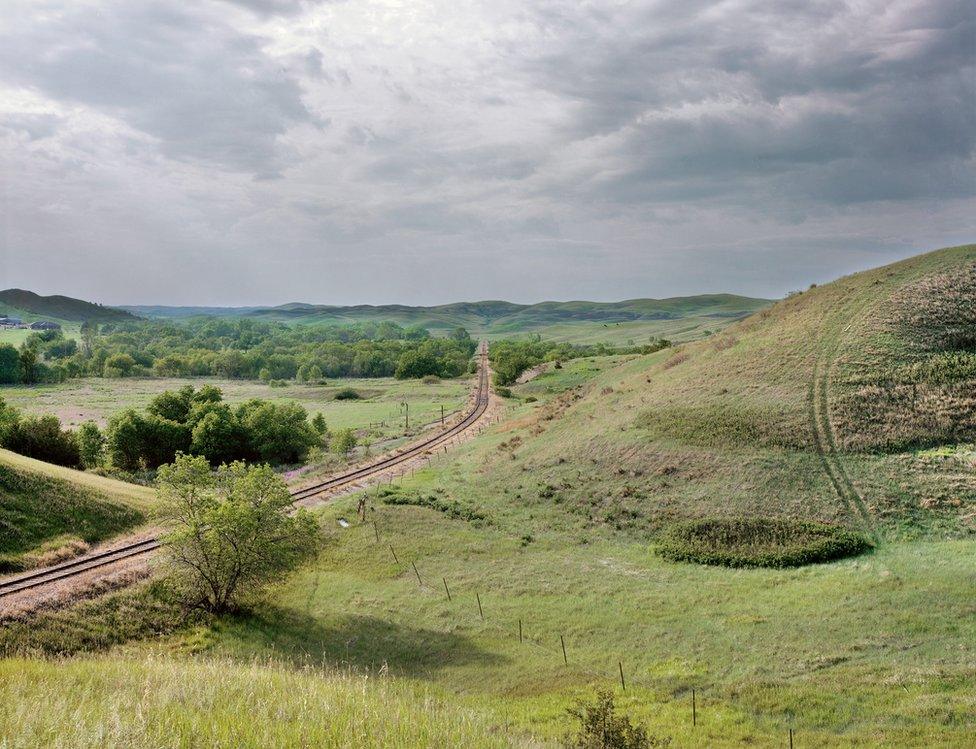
<point>472,609</point>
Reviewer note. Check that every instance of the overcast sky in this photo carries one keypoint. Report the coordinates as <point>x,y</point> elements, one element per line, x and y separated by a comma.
<point>266,151</point>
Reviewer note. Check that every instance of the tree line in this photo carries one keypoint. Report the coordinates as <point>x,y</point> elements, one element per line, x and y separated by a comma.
<point>189,421</point>
<point>237,349</point>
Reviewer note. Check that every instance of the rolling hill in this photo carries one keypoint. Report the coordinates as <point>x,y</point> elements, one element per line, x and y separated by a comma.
<point>29,306</point>
<point>519,572</point>
<point>679,318</point>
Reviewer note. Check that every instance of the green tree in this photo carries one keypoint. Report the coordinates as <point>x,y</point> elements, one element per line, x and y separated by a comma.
<point>124,439</point>
<point>173,404</point>
<point>28,365</point>
<point>162,439</point>
<point>89,331</point>
<point>9,365</point>
<point>171,365</point>
<point>319,425</point>
<point>8,417</point>
<point>43,438</point>
<point>277,432</point>
<point>91,445</point>
<point>119,365</point>
<point>343,441</point>
<point>218,436</point>
<point>417,363</point>
<point>228,534</point>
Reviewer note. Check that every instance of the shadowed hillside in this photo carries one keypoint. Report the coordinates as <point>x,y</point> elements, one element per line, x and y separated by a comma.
<point>13,301</point>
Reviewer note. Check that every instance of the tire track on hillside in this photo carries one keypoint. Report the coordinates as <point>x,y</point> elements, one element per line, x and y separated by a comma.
<point>824,437</point>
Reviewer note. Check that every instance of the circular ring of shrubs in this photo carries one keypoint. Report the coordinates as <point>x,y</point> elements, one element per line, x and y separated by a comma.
<point>759,542</point>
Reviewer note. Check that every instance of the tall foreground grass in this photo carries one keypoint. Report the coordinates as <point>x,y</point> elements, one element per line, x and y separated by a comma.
<point>166,702</point>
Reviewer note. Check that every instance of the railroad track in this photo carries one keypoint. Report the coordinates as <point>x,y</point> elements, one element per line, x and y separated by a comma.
<point>55,573</point>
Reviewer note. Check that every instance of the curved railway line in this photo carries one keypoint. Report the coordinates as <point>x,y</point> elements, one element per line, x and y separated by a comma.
<point>58,572</point>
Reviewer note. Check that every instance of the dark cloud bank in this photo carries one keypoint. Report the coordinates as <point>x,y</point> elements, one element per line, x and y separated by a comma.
<point>267,150</point>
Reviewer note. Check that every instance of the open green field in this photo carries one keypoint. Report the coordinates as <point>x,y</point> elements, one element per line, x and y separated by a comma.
<point>548,523</point>
<point>16,336</point>
<point>379,409</point>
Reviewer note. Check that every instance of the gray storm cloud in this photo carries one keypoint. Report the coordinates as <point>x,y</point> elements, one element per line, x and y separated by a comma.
<point>261,151</point>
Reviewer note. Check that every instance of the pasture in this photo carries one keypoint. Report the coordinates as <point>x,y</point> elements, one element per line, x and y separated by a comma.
<point>379,409</point>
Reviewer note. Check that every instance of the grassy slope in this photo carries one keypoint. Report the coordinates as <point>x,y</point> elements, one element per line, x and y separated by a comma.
<point>46,508</point>
<point>570,491</point>
<point>204,703</point>
<point>553,514</point>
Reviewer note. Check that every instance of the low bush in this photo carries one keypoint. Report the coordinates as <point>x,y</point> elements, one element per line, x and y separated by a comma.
<point>346,394</point>
<point>759,542</point>
<point>452,509</point>
<point>600,727</point>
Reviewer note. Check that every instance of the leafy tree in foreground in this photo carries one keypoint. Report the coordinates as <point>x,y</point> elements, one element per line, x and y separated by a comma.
<point>230,533</point>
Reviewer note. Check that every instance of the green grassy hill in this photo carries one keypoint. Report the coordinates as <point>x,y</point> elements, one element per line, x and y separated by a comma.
<point>679,318</point>
<point>848,403</point>
<point>48,512</point>
<point>30,306</point>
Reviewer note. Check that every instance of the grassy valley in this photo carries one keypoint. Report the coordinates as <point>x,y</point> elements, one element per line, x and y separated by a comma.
<point>521,571</point>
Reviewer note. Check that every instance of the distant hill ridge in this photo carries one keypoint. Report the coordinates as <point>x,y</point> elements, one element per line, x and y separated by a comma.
<point>495,314</point>
<point>58,307</point>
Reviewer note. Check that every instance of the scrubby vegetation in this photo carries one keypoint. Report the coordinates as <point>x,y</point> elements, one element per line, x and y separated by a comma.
<point>600,727</point>
<point>452,509</point>
<point>759,542</point>
<point>511,357</point>
<point>910,382</point>
<point>237,349</point>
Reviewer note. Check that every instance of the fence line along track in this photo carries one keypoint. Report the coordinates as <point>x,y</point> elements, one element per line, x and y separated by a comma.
<point>57,572</point>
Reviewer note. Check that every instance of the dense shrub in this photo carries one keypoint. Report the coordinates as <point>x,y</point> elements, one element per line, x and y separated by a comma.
<point>41,437</point>
<point>759,542</point>
<point>198,422</point>
<point>346,394</point>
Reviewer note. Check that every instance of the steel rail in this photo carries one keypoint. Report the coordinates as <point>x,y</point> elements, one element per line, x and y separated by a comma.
<point>80,565</point>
